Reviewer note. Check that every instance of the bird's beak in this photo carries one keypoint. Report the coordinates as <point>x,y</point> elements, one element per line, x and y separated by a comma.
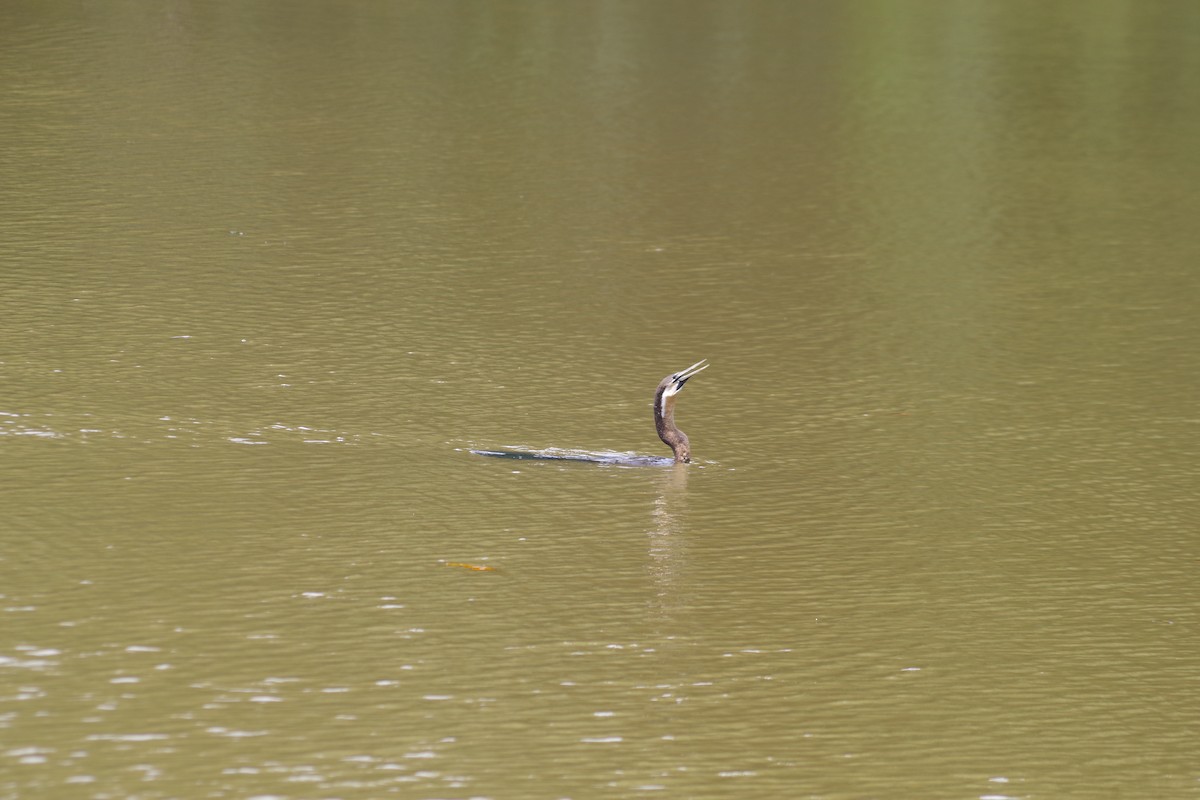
<point>684,376</point>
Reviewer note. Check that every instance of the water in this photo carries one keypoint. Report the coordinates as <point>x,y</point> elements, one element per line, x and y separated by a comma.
<point>271,272</point>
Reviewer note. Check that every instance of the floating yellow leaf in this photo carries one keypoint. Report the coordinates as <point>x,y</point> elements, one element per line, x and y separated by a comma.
<point>476,567</point>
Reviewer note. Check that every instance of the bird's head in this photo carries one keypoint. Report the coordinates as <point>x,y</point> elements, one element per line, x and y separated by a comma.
<point>673,384</point>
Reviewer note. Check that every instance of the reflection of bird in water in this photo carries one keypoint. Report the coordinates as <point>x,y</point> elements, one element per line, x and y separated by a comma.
<point>664,411</point>
<point>664,423</point>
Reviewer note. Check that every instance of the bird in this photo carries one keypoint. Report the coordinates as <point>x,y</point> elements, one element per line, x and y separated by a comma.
<point>664,423</point>
<point>664,411</point>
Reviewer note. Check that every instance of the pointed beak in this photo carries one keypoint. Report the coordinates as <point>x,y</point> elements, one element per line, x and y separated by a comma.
<point>684,376</point>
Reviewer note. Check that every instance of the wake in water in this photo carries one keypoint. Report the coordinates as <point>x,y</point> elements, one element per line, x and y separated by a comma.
<point>611,457</point>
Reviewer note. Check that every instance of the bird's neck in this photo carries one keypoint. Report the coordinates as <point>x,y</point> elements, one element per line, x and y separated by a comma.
<point>664,422</point>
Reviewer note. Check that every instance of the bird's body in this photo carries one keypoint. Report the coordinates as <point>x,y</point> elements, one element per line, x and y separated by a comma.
<point>664,412</point>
